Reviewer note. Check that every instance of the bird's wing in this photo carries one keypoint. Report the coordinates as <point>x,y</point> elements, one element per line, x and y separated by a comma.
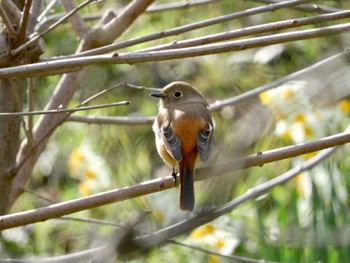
<point>171,142</point>
<point>205,141</point>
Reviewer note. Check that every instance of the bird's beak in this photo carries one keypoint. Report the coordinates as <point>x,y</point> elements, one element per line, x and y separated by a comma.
<point>157,95</point>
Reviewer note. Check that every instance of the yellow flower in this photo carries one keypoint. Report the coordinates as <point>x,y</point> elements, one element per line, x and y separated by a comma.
<point>307,130</point>
<point>219,244</point>
<point>202,231</point>
<point>344,106</point>
<point>75,161</point>
<point>287,93</point>
<point>299,118</point>
<point>265,98</point>
<point>213,258</point>
<point>84,189</point>
<point>286,136</point>
<point>88,174</point>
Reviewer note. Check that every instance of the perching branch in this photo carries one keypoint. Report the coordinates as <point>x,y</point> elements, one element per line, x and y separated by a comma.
<point>156,185</point>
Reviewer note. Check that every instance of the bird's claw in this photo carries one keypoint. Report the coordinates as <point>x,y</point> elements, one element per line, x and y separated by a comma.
<point>174,175</point>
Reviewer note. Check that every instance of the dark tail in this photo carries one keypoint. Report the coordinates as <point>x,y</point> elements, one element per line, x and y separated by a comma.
<point>186,189</point>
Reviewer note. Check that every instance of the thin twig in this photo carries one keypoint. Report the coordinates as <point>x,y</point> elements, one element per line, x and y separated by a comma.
<point>120,120</point>
<point>76,21</point>
<point>307,8</point>
<point>60,111</point>
<point>39,143</point>
<point>218,105</point>
<point>263,28</point>
<point>152,186</point>
<point>10,30</point>
<point>30,109</point>
<point>212,252</point>
<point>151,9</point>
<point>35,38</point>
<point>187,28</point>
<point>47,10</point>
<point>13,10</point>
<point>175,6</point>
<point>24,21</point>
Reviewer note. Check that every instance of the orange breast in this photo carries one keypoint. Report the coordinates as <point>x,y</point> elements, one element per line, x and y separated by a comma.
<point>186,129</point>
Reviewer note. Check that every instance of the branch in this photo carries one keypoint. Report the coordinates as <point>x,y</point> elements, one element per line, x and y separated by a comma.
<point>7,22</point>
<point>112,120</point>
<point>213,252</point>
<point>45,68</point>
<point>24,21</point>
<point>264,28</point>
<point>76,21</point>
<point>60,110</point>
<point>156,185</point>
<point>206,217</point>
<point>187,28</point>
<point>13,12</point>
<point>41,34</point>
<point>174,6</point>
<point>216,106</point>
<point>46,125</point>
<point>307,8</point>
<point>107,33</point>
<point>48,8</point>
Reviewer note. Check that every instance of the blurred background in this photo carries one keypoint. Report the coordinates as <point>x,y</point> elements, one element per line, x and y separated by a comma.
<point>304,220</point>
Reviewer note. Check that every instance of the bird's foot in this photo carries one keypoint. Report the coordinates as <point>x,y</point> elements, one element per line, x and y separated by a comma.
<point>174,175</point>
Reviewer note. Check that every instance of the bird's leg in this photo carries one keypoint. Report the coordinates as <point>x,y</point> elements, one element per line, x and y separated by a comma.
<point>174,175</point>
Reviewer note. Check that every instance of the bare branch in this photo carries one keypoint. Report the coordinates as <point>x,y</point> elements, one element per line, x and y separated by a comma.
<point>7,22</point>
<point>13,12</point>
<point>45,68</point>
<point>46,125</point>
<point>76,21</point>
<point>33,40</point>
<point>307,8</point>
<point>263,28</point>
<point>212,252</point>
<point>187,28</point>
<point>108,32</point>
<point>112,120</point>
<point>61,110</point>
<point>47,10</point>
<point>255,92</point>
<point>24,21</point>
<point>206,217</point>
<point>173,6</point>
<point>64,208</point>
<point>216,106</point>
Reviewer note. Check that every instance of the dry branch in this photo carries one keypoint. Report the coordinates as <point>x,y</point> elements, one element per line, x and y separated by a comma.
<point>152,186</point>
<point>45,68</point>
<point>187,28</point>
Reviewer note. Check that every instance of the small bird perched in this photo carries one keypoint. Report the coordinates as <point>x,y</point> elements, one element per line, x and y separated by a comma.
<point>184,131</point>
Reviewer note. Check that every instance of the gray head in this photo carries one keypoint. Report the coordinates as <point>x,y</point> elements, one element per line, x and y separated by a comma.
<point>179,92</point>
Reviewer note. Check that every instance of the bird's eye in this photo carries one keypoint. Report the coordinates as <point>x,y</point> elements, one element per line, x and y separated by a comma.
<point>177,94</point>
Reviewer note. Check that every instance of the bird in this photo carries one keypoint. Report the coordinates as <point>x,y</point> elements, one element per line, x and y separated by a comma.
<point>183,130</point>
